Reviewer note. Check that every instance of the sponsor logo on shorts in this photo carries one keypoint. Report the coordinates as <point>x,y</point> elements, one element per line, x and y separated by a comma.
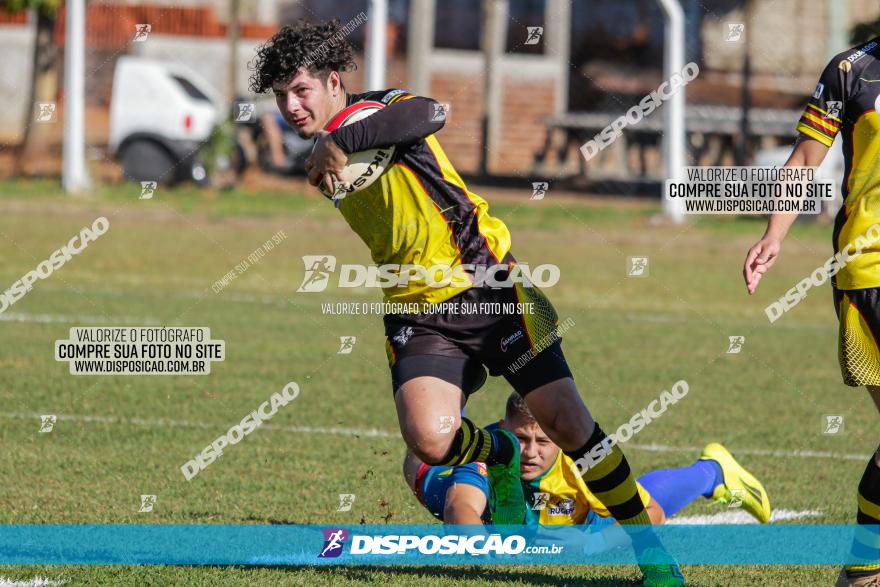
<point>506,341</point>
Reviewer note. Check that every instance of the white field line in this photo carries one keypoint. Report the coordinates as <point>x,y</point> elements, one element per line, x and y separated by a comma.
<point>21,317</point>
<point>738,516</point>
<point>372,432</point>
<point>759,452</point>
<point>35,582</point>
<point>376,433</point>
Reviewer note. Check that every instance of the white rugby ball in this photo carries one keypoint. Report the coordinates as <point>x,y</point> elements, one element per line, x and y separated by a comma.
<point>363,167</point>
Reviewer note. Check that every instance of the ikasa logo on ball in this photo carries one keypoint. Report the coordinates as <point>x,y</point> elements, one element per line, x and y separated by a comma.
<point>334,539</point>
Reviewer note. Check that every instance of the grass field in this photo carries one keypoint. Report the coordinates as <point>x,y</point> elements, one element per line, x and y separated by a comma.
<point>120,437</point>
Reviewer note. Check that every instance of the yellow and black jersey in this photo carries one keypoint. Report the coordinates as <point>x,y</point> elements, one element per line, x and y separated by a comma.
<point>565,497</point>
<point>419,212</point>
<point>846,100</point>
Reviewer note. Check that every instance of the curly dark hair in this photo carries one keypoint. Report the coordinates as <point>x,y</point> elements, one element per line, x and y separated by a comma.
<point>320,48</point>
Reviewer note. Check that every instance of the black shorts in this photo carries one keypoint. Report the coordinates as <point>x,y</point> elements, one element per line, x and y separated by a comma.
<point>511,331</point>
<point>858,312</point>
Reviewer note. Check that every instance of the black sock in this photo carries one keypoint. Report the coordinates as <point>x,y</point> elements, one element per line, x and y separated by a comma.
<point>865,548</point>
<point>502,449</point>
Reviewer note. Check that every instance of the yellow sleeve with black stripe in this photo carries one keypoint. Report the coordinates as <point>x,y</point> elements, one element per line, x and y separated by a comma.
<point>823,115</point>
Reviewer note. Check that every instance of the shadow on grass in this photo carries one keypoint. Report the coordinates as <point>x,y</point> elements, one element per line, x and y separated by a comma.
<point>387,574</point>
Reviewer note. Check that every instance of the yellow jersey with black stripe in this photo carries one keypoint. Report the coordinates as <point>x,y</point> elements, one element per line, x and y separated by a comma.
<point>846,101</point>
<point>420,212</point>
<point>560,496</point>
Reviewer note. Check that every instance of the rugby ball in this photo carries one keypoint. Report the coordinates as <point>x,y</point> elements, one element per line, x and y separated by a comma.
<point>363,167</point>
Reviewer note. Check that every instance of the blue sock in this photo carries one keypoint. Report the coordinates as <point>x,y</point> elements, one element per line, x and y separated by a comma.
<point>674,489</point>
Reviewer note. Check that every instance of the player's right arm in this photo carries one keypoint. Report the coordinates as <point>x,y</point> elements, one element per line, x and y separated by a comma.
<point>819,124</point>
<point>808,152</point>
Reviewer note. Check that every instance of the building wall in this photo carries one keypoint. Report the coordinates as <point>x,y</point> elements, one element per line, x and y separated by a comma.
<point>789,39</point>
<point>16,47</point>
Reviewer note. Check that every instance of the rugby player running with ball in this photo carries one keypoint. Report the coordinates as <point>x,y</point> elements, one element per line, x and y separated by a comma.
<point>419,212</point>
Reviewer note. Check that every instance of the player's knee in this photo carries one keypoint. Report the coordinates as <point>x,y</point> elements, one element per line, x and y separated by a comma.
<point>433,452</point>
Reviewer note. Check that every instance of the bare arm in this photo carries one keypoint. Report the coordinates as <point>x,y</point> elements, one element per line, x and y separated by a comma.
<point>807,153</point>
<point>464,504</point>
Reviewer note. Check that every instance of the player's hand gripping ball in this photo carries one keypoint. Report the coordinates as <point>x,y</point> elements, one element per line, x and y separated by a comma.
<point>363,167</point>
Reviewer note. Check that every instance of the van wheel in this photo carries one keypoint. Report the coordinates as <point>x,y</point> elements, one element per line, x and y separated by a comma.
<point>144,160</point>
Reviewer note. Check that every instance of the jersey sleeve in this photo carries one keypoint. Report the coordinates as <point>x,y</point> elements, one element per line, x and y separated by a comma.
<point>406,119</point>
<point>823,115</point>
<point>384,96</point>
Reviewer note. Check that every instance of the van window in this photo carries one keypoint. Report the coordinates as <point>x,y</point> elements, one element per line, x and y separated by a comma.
<point>190,89</point>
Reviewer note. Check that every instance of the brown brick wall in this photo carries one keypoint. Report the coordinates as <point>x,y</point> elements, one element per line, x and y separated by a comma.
<point>461,135</point>
<point>524,107</point>
<point>523,132</point>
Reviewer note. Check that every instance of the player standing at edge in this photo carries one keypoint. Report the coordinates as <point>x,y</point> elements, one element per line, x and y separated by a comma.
<point>420,212</point>
<point>845,100</point>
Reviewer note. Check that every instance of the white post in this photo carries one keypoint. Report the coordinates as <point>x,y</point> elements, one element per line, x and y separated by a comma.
<point>494,34</point>
<point>674,140</point>
<point>838,21</point>
<point>419,44</point>
<point>74,177</point>
<point>557,19</point>
<point>376,43</point>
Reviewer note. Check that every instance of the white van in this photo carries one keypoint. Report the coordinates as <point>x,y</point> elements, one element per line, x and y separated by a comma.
<point>160,114</point>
